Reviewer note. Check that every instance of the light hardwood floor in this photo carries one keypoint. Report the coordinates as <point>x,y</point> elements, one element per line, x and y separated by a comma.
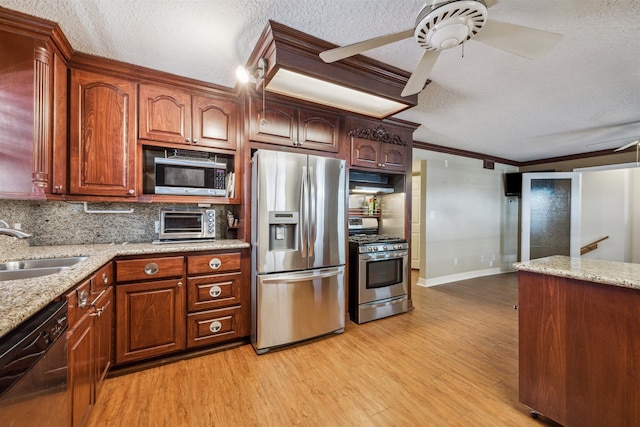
<point>452,361</point>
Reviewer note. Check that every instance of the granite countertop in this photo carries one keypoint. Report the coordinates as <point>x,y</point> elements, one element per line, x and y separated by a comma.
<point>614,273</point>
<point>20,299</point>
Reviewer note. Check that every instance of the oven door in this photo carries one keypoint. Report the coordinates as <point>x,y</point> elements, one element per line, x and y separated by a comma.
<point>382,275</point>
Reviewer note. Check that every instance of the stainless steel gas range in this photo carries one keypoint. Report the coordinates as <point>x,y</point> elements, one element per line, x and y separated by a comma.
<point>378,276</point>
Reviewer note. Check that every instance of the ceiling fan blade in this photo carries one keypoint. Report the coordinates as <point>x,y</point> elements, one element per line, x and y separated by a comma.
<point>523,41</point>
<point>624,147</point>
<point>421,74</point>
<point>339,53</point>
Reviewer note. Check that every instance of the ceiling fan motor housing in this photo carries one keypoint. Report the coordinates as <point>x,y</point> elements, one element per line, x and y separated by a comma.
<point>449,24</point>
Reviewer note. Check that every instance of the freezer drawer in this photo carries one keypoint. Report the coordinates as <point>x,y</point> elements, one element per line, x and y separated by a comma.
<point>296,306</point>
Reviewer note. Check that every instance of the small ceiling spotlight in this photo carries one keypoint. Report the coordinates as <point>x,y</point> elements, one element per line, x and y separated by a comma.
<point>246,75</point>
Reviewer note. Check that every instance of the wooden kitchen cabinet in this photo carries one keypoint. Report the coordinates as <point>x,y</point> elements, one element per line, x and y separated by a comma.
<point>32,109</point>
<point>102,143</point>
<point>578,347</point>
<point>290,126</point>
<point>217,297</point>
<point>89,341</point>
<point>81,355</point>
<point>150,308</point>
<point>377,155</point>
<point>171,115</point>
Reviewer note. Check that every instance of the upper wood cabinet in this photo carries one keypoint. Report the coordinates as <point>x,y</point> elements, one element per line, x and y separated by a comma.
<point>170,115</point>
<point>378,155</point>
<point>282,124</point>
<point>102,143</point>
<point>33,77</point>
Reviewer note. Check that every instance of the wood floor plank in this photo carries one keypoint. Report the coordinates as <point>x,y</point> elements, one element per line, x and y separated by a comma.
<point>452,361</point>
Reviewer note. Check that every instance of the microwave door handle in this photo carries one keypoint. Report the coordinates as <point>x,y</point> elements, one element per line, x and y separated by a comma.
<point>302,233</point>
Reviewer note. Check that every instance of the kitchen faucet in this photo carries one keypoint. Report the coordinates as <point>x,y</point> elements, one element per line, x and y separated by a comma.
<point>8,231</point>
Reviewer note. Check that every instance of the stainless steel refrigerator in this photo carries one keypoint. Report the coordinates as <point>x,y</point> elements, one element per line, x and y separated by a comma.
<point>298,236</point>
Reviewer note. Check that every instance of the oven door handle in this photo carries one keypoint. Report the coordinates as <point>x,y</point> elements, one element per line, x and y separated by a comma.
<point>382,256</point>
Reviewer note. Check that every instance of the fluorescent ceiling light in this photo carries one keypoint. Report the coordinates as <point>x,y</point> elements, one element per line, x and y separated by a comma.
<point>296,85</point>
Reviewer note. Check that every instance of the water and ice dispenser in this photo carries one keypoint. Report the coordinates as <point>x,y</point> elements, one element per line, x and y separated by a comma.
<point>283,230</point>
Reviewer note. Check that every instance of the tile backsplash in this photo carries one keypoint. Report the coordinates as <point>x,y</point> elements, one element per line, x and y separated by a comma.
<point>66,223</point>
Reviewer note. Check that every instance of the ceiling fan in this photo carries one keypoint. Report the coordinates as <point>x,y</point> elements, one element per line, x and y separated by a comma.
<point>443,24</point>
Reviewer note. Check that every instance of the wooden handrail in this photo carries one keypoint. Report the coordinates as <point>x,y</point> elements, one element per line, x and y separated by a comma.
<point>592,246</point>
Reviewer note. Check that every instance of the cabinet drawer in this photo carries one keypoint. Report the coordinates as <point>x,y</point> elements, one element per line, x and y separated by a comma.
<point>213,263</point>
<point>208,327</point>
<point>102,279</point>
<point>79,301</point>
<point>207,292</point>
<point>149,268</point>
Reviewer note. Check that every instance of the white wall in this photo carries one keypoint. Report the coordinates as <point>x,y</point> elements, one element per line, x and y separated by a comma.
<point>465,213</point>
<point>609,208</point>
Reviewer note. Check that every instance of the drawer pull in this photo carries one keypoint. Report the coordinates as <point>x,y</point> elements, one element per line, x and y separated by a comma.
<point>215,263</point>
<point>105,278</point>
<point>215,326</point>
<point>215,291</point>
<point>151,268</point>
<point>82,296</point>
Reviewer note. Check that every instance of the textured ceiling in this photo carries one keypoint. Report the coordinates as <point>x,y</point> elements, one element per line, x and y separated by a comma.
<point>582,96</point>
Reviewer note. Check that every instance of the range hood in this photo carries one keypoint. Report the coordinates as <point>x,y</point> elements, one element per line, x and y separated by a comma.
<point>368,188</point>
<point>369,183</point>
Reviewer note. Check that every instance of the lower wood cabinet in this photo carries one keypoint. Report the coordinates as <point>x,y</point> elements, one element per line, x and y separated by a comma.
<point>150,319</point>
<point>579,346</point>
<point>89,341</point>
<point>168,304</point>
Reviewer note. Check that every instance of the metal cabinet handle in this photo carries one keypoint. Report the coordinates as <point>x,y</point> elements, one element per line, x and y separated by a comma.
<point>82,297</point>
<point>151,268</point>
<point>195,141</point>
<point>215,263</point>
<point>105,278</point>
<point>187,139</point>
<point>215,326</point>
<point>215,291</point>
<point>98,312</point>
<point>132,191</point>
<point>179,284</point>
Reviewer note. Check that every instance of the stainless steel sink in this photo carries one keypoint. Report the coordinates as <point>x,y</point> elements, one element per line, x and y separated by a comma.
<point>25,269</point>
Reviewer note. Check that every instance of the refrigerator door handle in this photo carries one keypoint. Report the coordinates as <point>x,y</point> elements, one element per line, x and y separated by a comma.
<point>312,212</point>
<point>304,225</point>
<point>302,277</point>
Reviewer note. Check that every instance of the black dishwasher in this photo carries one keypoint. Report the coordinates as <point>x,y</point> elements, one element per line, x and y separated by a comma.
<point>33,371</point>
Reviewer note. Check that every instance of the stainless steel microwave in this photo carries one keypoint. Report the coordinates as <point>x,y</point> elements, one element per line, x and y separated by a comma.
<point>189,177</point>
<point>185,224</point>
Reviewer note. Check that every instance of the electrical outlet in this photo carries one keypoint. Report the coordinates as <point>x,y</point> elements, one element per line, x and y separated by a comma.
<point>455,261</point>
<point>17,226</point>
<point>157,226</point>
<point>481,258</point>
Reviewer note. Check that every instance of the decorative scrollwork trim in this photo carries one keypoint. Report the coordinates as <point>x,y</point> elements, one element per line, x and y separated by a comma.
<point>378,134</point>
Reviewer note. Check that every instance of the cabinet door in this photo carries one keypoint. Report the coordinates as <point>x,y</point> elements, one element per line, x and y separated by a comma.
<point>80,352</point>
<point>274,124</point>
<point>59,154</point>
<point>164,115</point>
<point>541,339</point>
<point>393,157</point>
<point>102,135</point>
<point>103,314</point>
<point>318,131</point>
<point>17,73</point>
<point>365,153</point>
<point>214,123</point>
<point>150,319</point>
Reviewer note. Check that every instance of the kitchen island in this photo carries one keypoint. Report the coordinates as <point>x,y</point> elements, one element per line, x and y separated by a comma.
<point>579,340</point>
<point>20,299</point>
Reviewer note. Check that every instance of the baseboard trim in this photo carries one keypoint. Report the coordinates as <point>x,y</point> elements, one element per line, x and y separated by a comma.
<point>460,276</point>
